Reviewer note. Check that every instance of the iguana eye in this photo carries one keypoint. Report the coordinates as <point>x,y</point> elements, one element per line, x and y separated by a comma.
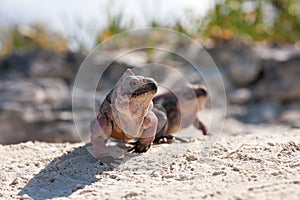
<point>133,84</point>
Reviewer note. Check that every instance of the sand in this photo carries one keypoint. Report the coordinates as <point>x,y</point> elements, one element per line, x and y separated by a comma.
<point>246,162</point>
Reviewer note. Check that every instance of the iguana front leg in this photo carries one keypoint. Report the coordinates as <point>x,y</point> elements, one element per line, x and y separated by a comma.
<point>101,129</point>
<point>198,124</point>
<point>148,134</point>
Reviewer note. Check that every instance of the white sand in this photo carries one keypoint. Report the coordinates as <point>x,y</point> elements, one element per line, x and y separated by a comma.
<point>262,164</point>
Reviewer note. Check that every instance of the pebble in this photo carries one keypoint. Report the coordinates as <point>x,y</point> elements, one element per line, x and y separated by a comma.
<point>24,196</point>
<point>236,169</point>
<point>78,187</point>
<point>15,181</point>
<point>155,174</point>
<point>168,176</point>
<point>217,173</point>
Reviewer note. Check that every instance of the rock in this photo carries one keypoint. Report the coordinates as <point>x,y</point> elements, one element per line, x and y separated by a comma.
<point>241,60</point>
<point>278,54</point>
<point>22,122</point>
<point>15,66</point>
<point>245,69</point>
<point>57,132</point>
<point>240,96</point>
<point>55,65</point>
<point>271,72</point>
<point>280,80</point>
<point>41,64</point>
<point>134,58</point>
<point>35,98</point>
<point>290,118</point>
<point>258,113</point>
<point>115,69</point>
<point>28,108</point>
<point>53,91</point>
<point>13,127</point>
<point>112,74</point>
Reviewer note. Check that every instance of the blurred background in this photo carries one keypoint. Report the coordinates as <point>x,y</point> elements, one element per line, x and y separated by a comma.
<point>255,44</point>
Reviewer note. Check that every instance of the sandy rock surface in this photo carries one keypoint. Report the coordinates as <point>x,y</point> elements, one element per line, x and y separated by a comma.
<point>255,162</point>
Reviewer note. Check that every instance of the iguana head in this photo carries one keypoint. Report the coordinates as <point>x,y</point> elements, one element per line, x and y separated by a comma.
<point>132,100</point>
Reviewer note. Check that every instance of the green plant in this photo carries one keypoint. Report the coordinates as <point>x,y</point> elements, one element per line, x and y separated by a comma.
<point>255,20</point>
<point>114,26</point>
<point>24,38</point>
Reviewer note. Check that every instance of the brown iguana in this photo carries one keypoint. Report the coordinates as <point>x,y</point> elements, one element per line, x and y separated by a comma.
<point>127,113</point>
<point>180,116</point>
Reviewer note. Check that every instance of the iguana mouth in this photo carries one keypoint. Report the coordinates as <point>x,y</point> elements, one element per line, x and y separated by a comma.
<point>148,87</point>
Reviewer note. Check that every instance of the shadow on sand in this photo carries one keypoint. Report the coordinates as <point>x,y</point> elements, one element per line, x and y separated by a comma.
<point>73,171</point>
<point>65,174</point>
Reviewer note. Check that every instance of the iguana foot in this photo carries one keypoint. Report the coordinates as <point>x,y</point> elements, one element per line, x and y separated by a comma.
<point>167,139</point>
<point>138,147</point>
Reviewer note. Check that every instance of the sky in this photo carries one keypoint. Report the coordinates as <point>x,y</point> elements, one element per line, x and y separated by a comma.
<point>72,18</point>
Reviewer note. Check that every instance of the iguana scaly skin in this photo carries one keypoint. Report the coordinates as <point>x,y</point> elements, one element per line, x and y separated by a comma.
<point>126,114</point>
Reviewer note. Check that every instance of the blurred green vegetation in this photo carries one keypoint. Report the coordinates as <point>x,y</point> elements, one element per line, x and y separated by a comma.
<point>272,21</point>
<point>114,26</point>
<point>23,38</point>
<point>255,20</point>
